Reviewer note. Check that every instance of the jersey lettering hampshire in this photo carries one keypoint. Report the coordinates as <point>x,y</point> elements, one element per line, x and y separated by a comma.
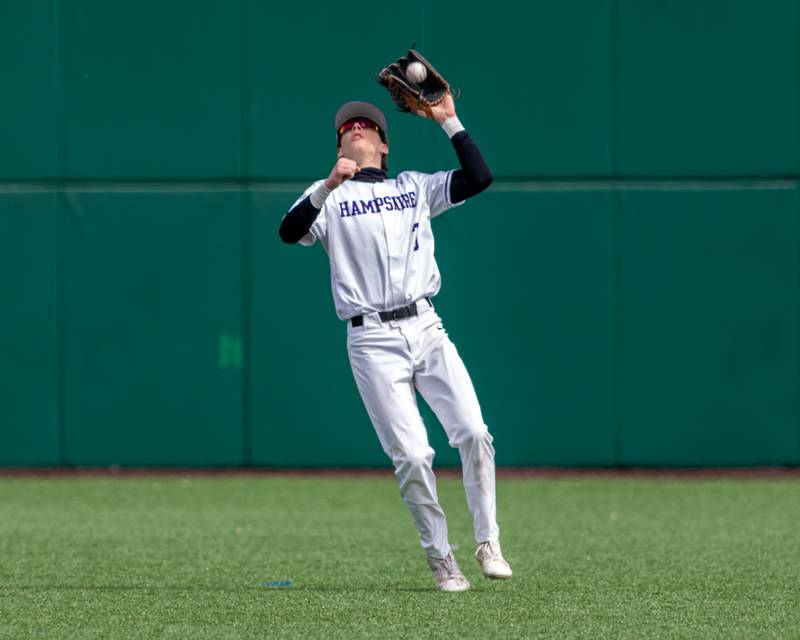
<point>389,203</point>
<point>379,240</point>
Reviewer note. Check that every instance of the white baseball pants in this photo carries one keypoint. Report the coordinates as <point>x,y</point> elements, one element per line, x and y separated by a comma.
<point>389,360</point>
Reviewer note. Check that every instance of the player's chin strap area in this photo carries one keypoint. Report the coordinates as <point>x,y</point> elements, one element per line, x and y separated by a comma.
<point>395,314</point>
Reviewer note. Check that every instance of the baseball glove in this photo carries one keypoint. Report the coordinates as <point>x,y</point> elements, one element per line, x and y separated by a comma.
<point>410,96</point>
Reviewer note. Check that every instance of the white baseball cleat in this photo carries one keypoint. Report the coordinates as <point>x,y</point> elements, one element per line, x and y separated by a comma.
<point>491,560</point>
<point>448,575</point>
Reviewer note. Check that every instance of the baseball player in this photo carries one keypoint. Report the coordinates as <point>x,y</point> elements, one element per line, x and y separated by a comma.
<point>378,236</point>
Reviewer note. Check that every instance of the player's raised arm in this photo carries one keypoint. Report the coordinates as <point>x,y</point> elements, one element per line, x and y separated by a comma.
<point>474,175</point>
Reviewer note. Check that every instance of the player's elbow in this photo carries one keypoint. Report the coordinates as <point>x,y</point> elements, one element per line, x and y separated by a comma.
<point>285,232</point>
<point>483,180</point>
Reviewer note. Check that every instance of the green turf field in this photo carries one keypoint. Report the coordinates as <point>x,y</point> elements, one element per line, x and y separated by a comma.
<point>602,558</point>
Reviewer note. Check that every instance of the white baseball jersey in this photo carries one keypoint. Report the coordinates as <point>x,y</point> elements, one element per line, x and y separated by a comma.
<point>379,240</point>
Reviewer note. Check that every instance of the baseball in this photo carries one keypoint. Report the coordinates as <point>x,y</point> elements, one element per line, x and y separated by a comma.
<point>416,72</point>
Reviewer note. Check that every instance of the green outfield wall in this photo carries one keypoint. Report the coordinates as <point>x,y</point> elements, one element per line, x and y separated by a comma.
<point>625,293</point>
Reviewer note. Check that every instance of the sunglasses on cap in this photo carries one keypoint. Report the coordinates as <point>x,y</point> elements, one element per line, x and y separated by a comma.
<point>364,123</point>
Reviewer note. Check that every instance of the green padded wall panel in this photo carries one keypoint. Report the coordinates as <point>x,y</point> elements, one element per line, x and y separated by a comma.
<point>708,327</point>
<point>536,82</point>
<point>29,426</point>
<point>526,297</point>
<point>707,88</point>
<point>28,128</point>
<point>148,151</point>
<point>153,288</point>
<point>153,89</point>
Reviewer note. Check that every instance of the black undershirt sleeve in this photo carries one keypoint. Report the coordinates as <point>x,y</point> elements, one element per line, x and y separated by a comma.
<point>298,221</point>
<point>474,175</point>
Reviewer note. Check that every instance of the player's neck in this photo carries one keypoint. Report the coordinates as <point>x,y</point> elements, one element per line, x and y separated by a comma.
<point>364,161</point>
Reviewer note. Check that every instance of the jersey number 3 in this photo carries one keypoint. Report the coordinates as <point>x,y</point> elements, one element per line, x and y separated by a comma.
<point>416,239</point>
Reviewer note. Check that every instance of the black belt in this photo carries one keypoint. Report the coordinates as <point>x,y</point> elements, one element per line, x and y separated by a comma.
<point>394,314</point>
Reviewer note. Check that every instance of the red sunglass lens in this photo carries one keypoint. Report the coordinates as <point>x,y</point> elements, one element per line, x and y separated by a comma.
<point>362,122</point>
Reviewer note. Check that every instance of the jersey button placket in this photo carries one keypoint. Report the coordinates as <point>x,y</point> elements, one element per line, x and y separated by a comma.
<point>394,263</point>
<point>396,278</point>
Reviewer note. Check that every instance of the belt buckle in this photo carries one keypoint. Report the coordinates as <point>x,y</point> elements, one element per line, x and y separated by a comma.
<point>396,315</point>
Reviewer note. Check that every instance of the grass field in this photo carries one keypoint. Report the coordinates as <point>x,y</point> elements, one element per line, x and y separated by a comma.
<point>172,557</point>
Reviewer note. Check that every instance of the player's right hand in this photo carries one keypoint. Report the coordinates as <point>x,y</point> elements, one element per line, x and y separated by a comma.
<point>344,169</point>
<point>445,109</point>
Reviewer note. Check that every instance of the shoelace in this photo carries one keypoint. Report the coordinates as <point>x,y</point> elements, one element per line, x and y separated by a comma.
<point>492,550</point>
<point>446,568</point>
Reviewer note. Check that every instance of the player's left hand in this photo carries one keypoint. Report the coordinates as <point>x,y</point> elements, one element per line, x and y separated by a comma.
<point>445,109</point>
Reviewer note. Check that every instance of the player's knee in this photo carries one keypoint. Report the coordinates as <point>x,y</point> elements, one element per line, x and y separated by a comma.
<point>410,461</point>
<point>474,437</point>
